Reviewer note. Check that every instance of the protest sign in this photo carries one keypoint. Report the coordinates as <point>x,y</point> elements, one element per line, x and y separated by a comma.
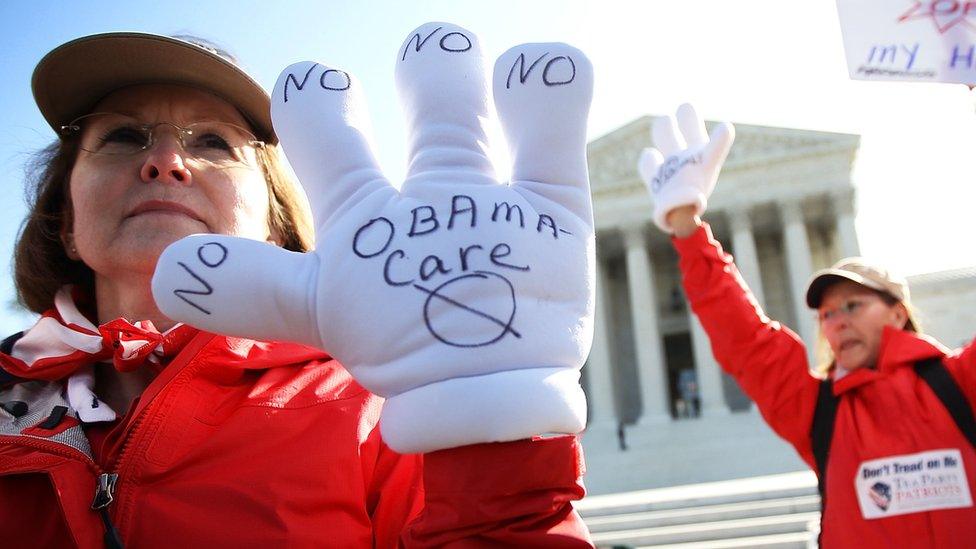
<point>912,40</point>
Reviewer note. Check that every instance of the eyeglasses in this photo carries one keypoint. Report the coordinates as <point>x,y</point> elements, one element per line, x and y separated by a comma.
<point>119,135</point>
<point>846,310</point>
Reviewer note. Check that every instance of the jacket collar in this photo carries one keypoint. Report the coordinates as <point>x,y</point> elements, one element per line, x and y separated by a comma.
<point>899,349</point>
<point>248,354</point>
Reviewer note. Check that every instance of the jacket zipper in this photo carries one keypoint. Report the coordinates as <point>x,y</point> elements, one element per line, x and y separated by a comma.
<point>104,495</point>
<point>104,484</point>
<point>106,489</point>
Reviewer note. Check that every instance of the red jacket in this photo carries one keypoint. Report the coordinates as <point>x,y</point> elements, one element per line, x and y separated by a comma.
<point>884,412</point>
<point>245,444</point>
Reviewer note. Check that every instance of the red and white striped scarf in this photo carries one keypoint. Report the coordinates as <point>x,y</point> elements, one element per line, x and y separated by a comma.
<point>64,344</point>
<point>63,340</point>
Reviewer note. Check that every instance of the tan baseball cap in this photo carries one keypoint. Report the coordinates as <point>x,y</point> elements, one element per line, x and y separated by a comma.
<point>856,269</point>
<point>70,80</point>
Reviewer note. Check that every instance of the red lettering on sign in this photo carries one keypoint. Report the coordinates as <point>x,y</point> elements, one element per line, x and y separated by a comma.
<point>945,14</point>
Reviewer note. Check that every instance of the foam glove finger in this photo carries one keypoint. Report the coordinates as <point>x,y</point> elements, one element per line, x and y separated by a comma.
<point>441,84</point>
<point>664,133</point>
<point>320,116</point>
<point>691,125</point>
<point>648,165</point>
<point>236,286</point>
<point>542,94</point>
<point>719,145</point>
<point>715,153</point>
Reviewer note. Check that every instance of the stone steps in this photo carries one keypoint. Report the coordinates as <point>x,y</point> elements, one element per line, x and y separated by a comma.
<point>776,541</point>
<point>773,511</point>
<point>723,530</point>
<point>802,483</point>
<point>706,513</point>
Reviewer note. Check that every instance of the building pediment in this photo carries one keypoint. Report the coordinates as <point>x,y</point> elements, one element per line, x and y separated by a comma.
<point>759,152</point>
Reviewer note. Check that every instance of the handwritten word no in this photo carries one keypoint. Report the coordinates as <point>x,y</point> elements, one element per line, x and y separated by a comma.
<point>211,255</point>
<point>330,80</point>
<point>452,42</point>
<point>559,80</point>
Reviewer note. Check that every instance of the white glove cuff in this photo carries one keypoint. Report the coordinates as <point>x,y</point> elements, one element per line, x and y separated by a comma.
<point>499,407</point>
<point>675,197</point>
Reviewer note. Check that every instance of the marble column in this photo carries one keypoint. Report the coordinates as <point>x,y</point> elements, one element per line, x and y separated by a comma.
<point>744,251</point>
<point>598,365</point>
<point>647,338</point>
<point>800,266</point>
<point>846,232</point>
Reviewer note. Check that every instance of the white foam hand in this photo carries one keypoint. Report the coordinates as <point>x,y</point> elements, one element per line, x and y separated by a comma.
<point>465,301</point>
<point>684,167</point>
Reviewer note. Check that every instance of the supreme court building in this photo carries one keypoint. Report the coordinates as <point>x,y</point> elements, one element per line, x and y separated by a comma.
<point>784,207</point>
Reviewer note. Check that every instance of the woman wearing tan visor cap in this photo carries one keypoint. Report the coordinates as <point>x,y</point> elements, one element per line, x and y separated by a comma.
<point>887,422</point>
<point>120,425</point>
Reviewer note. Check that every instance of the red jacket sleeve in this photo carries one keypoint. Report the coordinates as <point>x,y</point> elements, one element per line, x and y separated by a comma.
<point>767,359</point>
<point>395,494</point>
<point>511,494</point>
<point>962,364</point>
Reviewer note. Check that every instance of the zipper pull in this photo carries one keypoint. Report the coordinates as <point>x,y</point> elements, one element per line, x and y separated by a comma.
<point>105,490</point>
<point>104,496</point>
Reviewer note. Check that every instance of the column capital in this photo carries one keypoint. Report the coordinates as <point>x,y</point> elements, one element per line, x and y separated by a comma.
<point>844,212</point>
<point>739,217</point>
<point>634,235</point>
<point>844,200</point>
<point>791,210</point>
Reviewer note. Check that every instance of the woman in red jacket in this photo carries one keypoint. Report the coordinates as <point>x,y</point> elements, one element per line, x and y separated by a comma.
<point>889,431</point>
<point>119,425</point>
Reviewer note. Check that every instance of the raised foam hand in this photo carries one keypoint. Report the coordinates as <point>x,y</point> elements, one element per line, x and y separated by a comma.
<point>465,301</point>
<point>684,167</point>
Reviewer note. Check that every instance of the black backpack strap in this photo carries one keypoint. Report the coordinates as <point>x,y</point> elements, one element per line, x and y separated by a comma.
<point>940,380</point>
<point>932,371</point>
<point>821,433</point>
<point>6,346</point>
<point>822,430</point>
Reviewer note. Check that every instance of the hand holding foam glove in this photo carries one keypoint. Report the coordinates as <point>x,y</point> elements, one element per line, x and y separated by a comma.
<point>684,167</point>
<point>466,302</point>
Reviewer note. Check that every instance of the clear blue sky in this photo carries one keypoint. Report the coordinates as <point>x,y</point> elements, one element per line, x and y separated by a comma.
<point>774,62</point>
